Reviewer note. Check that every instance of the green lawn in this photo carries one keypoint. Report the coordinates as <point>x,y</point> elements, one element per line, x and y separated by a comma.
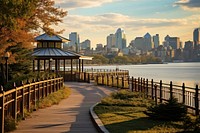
<point>130,118</point>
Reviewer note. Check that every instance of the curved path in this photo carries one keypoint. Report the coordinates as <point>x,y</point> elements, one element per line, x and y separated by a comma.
<point>71,115</point>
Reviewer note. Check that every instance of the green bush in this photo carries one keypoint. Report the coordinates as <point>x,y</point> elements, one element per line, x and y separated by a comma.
<point>9,124</point>
<point>171,111</point>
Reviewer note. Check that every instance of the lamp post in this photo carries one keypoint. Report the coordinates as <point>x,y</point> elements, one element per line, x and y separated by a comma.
<point>7,55</point>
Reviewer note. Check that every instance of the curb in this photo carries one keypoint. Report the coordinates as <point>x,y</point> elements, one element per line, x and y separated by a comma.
<point>97,122</point>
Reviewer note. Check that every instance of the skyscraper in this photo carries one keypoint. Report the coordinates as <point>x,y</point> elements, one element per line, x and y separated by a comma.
<point>156,40</point>
<point>196,37</point>
<point>174,42</point>
<point>111,41</point>
<point>148,41</point>
<point>74,41</point>
<point>120,39</point>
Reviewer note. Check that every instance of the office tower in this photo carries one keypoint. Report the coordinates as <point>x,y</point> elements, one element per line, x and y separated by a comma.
<point>196,37</point>
<point>139,43</point>
<point>111,41</point>
<point>156,40</point>
<point>120,39</point>
<point>174,42</point>
<point>148,41</point>
<point>74,41</point>
<point>86,45</point>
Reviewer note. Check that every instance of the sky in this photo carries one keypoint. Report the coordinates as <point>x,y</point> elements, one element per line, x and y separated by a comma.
<point>96,19</point>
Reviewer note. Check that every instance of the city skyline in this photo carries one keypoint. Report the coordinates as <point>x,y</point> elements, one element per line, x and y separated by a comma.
<point>95,20</point>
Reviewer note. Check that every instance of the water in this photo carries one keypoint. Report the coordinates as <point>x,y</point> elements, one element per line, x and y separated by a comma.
<point>188,73</point>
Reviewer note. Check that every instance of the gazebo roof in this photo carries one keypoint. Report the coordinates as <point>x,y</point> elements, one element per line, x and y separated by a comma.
<point>46,37</point>
<point>57,53</point>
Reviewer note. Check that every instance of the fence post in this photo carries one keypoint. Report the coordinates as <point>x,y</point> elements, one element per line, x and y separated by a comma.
<point>138,88</point>
<point>107,80</point>
<point>88,77</point>
<point>132,83</point>
<point>152,88</point>
<point>29,97</point>
<point>35,94</point>
<point>15,103</point>
<point>122,82</point>
<point>147,87</point>
<point>160,91</point>
<point>196,100</point>
<point>171,90</point>
<point>22,102</point>
<point>102,77</point>
<point>156,101</point>
<point>183,91</point>
<point>117,81</point>
<point>97,78</point>
<point>135,80</point>
<point>2,111</point>
<point>112,81</point>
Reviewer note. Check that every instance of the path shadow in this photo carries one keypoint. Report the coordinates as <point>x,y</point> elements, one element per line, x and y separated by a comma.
<point>92,94</point>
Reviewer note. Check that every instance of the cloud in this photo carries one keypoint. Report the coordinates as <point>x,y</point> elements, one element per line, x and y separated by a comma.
<point>120,20</point>
<point>73,4</point>
<point>192,5</point>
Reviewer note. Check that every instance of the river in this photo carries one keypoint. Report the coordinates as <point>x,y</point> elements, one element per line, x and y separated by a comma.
<point>188,73</point>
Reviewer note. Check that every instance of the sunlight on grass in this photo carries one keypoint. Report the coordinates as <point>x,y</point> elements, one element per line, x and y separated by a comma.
<point>130,118</point>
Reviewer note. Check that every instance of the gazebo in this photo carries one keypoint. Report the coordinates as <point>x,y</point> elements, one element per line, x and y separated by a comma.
<point>49,51</point>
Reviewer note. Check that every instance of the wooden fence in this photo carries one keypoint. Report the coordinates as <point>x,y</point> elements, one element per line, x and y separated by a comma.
<point>158,91</point>
<point>26,97</point>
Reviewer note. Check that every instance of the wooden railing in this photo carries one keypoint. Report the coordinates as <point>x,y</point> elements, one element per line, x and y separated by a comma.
<point>158,91</point>
<point>26,97</point>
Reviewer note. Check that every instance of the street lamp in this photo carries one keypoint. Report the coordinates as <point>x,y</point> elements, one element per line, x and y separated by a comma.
<point>6,56</point>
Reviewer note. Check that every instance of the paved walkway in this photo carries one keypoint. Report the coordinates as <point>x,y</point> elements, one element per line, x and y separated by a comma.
<point>70,116</point>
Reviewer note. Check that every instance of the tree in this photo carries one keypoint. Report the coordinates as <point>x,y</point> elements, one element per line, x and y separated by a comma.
<point>20,21</point>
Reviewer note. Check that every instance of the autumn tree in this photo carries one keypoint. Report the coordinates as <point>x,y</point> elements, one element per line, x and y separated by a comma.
<point>20,21</point>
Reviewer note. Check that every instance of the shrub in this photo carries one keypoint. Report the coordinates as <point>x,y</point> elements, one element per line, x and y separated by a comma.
<point>9,124</point>
<point>191,125</point>
<point>171,111</point>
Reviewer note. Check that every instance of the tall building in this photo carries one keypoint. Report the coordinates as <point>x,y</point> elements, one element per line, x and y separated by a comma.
<point>174,42</point>
<point>148,41</point>
<point>139,43</point>
<point>86,45</point>
<point>156,40</point>
<point>196,37</point>
<point>111,41</point>
<point>74,41</point>
<point>120,37</point>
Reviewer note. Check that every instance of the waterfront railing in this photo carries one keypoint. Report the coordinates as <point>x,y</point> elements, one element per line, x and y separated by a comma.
<point>15,102</point>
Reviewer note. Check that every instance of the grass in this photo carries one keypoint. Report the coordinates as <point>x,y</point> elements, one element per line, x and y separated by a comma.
<point>129,118</point>
<point>54,98</point>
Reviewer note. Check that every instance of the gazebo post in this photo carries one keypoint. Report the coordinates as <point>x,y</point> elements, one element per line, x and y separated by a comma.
<point>56,66</point>
<point>64,69</point>
<point>82,66</point>
<point>79,62</point>
<point>44,65</point>
<point>33,65</point>
<point>38,65</point>
<point>71,68</point>
<point>49,66</point>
